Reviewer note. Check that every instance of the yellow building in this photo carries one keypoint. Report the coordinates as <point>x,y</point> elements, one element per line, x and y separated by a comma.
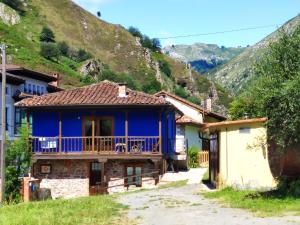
<point>239,154</point>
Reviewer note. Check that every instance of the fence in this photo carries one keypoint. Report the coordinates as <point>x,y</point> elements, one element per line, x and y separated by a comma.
<point>203,158</point>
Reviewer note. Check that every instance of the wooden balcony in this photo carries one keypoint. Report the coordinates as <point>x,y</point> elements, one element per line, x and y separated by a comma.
<point>95,147</point>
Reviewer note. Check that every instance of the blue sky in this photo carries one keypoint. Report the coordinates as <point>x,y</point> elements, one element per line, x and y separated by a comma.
<point>164,18</point>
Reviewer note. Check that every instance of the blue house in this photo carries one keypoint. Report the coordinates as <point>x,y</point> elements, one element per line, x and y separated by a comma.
<point>102,137</point>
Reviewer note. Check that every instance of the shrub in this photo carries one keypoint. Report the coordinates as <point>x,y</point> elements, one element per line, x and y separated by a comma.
<point>15,4</point>
<point>18,162</point>
<point>181,92</point>
<point>49,50</point>
<point>47,35</point>
<point>165,68</point>
<point>63,48</point>
<point>193,157</point>
<point>288,187</point>
<point>151,85</point>
<point>83,55</point>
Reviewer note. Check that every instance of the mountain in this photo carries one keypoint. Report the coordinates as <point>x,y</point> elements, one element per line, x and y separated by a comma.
<point>203,57</point>
<point>235,73</point>
<point>113,52</point>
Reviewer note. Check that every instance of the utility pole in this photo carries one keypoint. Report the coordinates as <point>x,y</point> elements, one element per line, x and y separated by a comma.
<point>3,123</point>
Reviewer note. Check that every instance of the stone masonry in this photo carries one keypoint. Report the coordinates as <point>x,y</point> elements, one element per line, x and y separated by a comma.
<point>68,178</point>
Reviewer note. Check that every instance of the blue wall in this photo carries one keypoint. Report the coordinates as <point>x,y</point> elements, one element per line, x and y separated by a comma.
<point>141,122</point>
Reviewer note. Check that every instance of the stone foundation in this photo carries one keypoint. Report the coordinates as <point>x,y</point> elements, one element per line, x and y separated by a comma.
<point>115,173</point>
<point>68,178</point>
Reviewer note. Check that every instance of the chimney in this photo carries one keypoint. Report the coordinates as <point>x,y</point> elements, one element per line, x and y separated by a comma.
<point>208,104</point>
<point>123,90</point>
<point>55,83</point>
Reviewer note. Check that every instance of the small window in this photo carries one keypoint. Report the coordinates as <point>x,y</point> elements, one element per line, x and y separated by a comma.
<point>42,90</point>
<point>29,88</point>
<point>34,89</point>
<point>245,130</point>
<point>25,88</point>
<point>133,175</point>
<point>38,90</point>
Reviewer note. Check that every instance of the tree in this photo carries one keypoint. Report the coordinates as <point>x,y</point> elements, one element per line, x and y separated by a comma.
<point>135,32</point>
<point>18,162</point>
<point>83,55</point>
<point>146,42</point>
<point>275,92</point>
<point>99,14</point>
<point>49,50</point>
<point>47,35</point>
<point>156,45</point>
<point>63,48</point>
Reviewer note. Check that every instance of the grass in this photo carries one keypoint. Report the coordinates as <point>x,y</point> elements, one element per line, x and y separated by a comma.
<point>86,210</point>
<point>174,184</point>
<point>262,204</point>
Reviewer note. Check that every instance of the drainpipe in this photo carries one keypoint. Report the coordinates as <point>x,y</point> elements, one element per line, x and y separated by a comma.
<point>227,165</point>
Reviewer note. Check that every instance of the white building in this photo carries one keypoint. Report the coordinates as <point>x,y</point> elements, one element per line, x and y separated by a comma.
<point>23,83</point>
<point>189,123</point>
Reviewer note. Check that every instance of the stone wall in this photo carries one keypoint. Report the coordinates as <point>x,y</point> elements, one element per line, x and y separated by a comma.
<point>115,172</point>
<point>68,178</point>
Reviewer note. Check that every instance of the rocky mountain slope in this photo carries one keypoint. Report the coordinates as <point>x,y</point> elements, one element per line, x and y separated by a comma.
<point>235,74</point>
<point>112,48</point>
<point>203,57</point>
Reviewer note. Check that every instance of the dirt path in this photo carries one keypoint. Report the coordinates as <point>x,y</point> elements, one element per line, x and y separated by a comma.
<point>182,206</point>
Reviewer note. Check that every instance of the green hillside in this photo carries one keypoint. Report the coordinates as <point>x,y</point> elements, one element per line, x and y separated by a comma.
<point>116,54</point>
<point>235,73</point>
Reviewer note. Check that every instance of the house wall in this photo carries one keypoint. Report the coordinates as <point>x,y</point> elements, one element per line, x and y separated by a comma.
<point>141,122</point>
<point>68,178</point>
<point>244,158</point>
<point>192,136</point>
<point>186,109</point>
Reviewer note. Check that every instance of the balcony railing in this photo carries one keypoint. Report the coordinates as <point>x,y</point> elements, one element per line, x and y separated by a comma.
<point>97,145</point>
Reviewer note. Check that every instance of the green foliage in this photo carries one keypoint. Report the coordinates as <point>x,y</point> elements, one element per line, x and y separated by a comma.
<point>261,203</point>
<point>194,100</point>
<point>63,48</point>
<point>288,187</point>
<point>83,55</point>
<point>15,4</point>
<point>18,162</point>
<point>151,85</point>
<point>135,32</point>
<point>47,35</point>
<point>275,93</point>
<point>193,157</point>
<point>181,92</point>
<point>49,50</point>
<point>101,209</point>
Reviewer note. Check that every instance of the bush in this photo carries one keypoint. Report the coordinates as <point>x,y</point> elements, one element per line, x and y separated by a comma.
<point>18,162</point>
<point>151,85</point>
<point>165,68</point>
<point>47,35</point>
<point>83,55</point>
<point>193,157</point>
<point>63,48</point>
<point>49,50</point>
<point>15,4</point>
<point>288,187</point>
<point>181,92</point>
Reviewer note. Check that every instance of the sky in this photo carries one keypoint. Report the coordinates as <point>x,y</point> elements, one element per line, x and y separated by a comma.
<point>169,18</point>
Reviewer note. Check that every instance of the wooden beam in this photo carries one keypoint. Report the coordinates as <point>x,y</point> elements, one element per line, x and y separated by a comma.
<point>60,133</point>
<point>126,131</point>
<point>93,134</point>
<point>160,132</point>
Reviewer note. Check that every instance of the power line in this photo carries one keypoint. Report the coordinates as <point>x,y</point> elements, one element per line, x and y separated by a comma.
<point>220,32</point>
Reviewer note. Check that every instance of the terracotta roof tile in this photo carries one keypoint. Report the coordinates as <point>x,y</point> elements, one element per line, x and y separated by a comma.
<point>187,120</point>
<point>103,93</point>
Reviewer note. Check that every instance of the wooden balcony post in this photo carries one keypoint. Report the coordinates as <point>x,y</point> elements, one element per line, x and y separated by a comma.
<point>93,134</point>
<point>126,131</point>
<point>160,133</point>
<point>60,134</point>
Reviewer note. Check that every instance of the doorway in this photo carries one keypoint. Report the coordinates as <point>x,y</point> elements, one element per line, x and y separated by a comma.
<point>96,180</point>
<point>214,165</point>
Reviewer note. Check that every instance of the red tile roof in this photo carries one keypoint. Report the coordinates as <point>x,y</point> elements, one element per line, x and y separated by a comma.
<point>104,93</point>
<point>197,107</point>
<point>187,120</point>
<point>235,122</point>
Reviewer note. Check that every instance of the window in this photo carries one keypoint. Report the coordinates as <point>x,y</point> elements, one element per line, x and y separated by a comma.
<point>34,89</point>
<point>133,174</point>
<point>38,90</point>
<point>29,89</point>
<point>105,127</point>
<point>42,90</point>
<point>7,90</point>
<point>245,130</point>
<point>25,88</point>
<point>20,118</point>
<point>95,174</point>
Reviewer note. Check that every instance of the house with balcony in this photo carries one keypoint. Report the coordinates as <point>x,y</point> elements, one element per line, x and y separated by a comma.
<point>188,123</point>
<point>23,83</point>
<point>100,138</point>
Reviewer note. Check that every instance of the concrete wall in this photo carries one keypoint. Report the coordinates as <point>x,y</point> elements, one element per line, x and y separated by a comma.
<point>192,136</point>
<point>244,158</point>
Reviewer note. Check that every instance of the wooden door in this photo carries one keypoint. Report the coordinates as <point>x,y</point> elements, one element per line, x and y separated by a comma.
<point>214,165</point>
<point>87,133</point>
<point>104,131</point>
<point>96,179</point>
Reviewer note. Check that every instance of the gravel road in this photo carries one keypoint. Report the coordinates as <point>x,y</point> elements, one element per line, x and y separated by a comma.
<point>182,206</point>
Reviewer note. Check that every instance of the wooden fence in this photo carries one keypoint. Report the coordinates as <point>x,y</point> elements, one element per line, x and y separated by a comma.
<point>203,158</point>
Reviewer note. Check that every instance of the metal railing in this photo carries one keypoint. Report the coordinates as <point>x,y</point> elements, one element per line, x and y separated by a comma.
<point>97,144</point>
